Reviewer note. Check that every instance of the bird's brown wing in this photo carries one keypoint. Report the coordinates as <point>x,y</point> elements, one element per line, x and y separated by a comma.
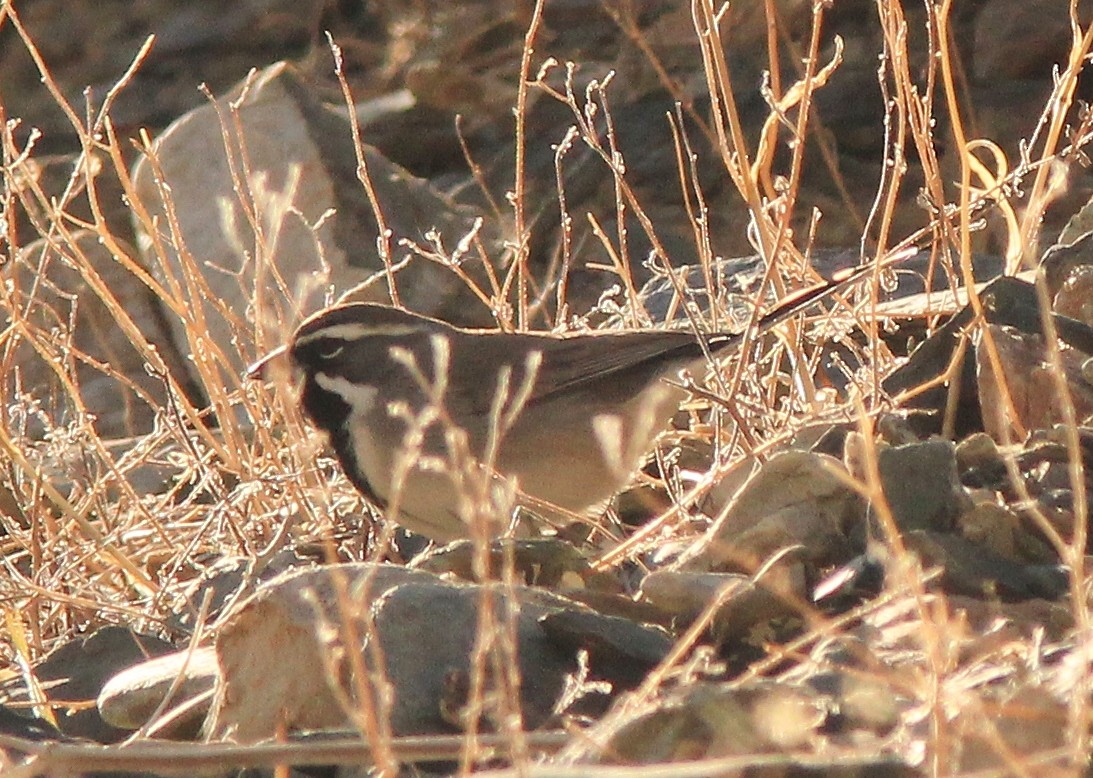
<point>614,367</point>
<point>622,364</point>
<point>609,367</point>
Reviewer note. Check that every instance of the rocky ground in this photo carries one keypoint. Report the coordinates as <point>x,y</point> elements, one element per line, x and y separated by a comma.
<point>861,546</point>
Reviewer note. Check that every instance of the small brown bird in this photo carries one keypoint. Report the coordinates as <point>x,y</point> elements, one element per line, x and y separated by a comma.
<point>569,417</point>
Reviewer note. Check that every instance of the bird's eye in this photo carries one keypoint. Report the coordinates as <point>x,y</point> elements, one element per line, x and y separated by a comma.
<point>330,352</point>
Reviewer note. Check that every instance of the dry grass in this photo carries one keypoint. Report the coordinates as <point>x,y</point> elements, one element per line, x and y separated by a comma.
<point>83,545</point>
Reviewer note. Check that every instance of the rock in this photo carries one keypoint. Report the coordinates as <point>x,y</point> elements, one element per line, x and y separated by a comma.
<point>861,578</point>
<point>796,498</point>
<point>228,581</point>
<point>19,725</point>
<point>930,361</point>
<point>707,721</point>
<point>922,486</point>
<point>1073,243</point>
<point>313,232</point>
<point>195,43</point>
<point>1053,477</point>
<point>745,604</point>
<point>1031,382</point>
<point>1075,298</point>
<point>976,571</point>
<point>980,462</point>
<point>861,702</point>
<point>999,624</point>
<point>1043,447</point>
<point>1014,303</point>
<point>1016,39</point>
<point>617,648</point>
<point>832,441</point>
<point>663,297</point>
<point>280,649</point>
<point>994,557</point>
<point>895,429</point>
<point>85,338</point>
<point>79,669</point>
<point>258,692</point>
<point>821,438</point>
<point>993,526</point>
<point>1027,718</point>
<point>1055,507</point>
<point>1007,301</point>
<point>130,698</point>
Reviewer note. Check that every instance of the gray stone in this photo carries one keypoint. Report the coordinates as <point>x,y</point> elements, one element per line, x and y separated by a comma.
<point>281,652</point>
<point>79,669</point>
<point>130,698</point>
<point>50,283</point>
<point>274,234</point>
<point>922,486</point>
<point>795,499</point>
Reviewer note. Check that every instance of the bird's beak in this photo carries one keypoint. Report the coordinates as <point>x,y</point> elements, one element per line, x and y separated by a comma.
<point>257,371</point>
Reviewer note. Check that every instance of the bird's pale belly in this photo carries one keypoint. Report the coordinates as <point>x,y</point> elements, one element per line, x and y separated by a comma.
<point>430,489</point>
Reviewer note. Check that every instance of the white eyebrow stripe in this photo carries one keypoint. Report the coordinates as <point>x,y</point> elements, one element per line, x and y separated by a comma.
<point>352,331</point>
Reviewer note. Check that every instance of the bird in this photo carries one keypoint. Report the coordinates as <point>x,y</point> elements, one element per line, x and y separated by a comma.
<point>566,418</point>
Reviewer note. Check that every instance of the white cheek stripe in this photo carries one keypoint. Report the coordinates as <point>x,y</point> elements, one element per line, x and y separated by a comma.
<point>360,396</point>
